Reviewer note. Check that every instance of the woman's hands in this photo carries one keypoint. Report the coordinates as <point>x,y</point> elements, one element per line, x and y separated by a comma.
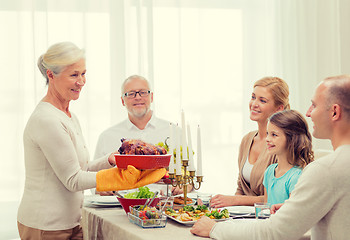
<point>111,159</point>
<point>112,162</point>
<point>177,190</point>
<point>109,193</point>
<point>220,200</point>
<point>224,200</point>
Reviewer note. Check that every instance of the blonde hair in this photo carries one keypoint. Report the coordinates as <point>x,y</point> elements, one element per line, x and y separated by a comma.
<point>58,56</point>
<point>278,88</point>
<point>298,137</point>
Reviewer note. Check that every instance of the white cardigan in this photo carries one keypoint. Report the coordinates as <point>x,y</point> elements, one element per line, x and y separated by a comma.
<point>57,170</point>
<point>320,200</point>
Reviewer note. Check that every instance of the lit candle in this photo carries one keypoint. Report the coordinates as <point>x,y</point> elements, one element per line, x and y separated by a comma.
<point>178,155</point>
<point>183,135</point>
<point>171,149</point>
<point>199,153</point>
<point>190,152</point>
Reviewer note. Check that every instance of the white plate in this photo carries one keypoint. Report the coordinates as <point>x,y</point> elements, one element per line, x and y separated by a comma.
<point>104,199</point>
<point>105,204</point>
<point>98,200</point>
<point>192,195</point>
<point>241,210</point>
<point>190,223</point>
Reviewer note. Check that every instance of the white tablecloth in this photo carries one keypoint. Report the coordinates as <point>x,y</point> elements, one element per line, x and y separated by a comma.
<point>113,223</point>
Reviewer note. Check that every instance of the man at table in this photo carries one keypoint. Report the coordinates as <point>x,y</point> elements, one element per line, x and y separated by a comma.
<point>321,198</point>
<point>141,122</point>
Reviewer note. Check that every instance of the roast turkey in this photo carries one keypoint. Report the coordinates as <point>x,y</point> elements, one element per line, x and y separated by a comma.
<point>139,147</point>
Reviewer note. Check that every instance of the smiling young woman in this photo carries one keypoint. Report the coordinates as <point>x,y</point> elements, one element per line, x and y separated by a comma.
<point>270,95</point>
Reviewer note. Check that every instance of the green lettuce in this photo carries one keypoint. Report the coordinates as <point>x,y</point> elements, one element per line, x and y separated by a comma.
<point>143,192</point>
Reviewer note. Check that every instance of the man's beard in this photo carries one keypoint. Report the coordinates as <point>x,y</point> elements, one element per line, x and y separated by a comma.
<point>140,113</point>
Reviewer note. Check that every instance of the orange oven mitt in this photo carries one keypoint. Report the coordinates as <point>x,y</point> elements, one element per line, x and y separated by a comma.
<point>115,179</point>
<point>150,176</point>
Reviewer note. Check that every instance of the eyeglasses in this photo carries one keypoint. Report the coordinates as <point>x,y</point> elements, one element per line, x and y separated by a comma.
<point>142,93</point>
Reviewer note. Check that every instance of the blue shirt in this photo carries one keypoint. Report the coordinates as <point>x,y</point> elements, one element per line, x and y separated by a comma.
<point>279,189</point>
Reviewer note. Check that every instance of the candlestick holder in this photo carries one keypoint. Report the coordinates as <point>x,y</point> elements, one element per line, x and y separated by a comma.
<point>183,179</point>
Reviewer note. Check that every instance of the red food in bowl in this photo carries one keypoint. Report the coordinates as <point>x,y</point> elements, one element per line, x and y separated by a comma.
<point>126,202</point>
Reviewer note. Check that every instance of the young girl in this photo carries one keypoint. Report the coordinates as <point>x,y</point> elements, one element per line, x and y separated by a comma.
<point>269,95</point>
<point>289,139</point>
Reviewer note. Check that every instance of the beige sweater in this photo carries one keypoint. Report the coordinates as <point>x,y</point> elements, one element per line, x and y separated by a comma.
<point>320,200</point>
<point>57,170</point>
<point>256,187</point>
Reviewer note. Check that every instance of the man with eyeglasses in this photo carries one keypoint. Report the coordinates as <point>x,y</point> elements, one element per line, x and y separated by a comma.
<point>141,123</point>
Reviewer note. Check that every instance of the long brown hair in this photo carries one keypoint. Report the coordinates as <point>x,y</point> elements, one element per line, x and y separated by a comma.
<point>299,140</point>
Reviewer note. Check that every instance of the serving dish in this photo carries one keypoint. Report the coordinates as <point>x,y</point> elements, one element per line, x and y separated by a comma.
<point>177,206</point>
<point>148,223</point>
<point>142,162</point>
<point>190,223</point>
<point>127,202</point>
<point>190,214</point>
<point>146,217</point>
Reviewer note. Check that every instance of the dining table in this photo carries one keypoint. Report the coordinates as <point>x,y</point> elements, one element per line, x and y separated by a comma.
<point>112,223</point>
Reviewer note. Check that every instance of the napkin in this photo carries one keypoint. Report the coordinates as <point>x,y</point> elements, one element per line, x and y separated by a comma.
<point>115,179</point>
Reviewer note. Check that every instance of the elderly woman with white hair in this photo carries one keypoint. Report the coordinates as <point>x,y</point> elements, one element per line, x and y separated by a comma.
<point>57,162</point>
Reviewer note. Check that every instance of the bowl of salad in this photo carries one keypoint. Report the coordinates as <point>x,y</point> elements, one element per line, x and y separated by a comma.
<point>147,217</point>
<point>139,197</point>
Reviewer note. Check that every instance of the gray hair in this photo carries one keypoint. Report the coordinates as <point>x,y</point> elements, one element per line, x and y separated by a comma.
<point>134,77</point>
<point>338,92</point>
<point>58,56</point>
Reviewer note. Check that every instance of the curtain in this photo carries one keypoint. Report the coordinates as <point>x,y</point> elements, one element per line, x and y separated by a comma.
<point>201,56</point>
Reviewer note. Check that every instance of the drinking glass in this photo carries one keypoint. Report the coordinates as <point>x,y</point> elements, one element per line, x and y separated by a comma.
<point>262,210</point>
<point>165,202</point>
<point>204,199</point>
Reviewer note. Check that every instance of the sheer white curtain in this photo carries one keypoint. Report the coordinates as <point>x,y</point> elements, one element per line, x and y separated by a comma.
<point>314,44</point>
<point>200,55</point>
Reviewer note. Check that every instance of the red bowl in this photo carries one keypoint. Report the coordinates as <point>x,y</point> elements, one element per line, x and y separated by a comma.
<point>127,202</point>
<point>142,161</point>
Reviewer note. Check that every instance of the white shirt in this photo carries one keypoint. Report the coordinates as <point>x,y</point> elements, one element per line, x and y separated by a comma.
<point>320,201</point>
<point>247,170</point>
<point>157,130</point>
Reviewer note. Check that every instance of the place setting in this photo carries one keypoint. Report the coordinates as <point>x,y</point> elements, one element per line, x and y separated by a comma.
<point>102,201</point>
<point>241,211</point>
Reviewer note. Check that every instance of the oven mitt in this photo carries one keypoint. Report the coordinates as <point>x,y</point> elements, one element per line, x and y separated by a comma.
<point>150,176</point>
<point>115,179</point>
